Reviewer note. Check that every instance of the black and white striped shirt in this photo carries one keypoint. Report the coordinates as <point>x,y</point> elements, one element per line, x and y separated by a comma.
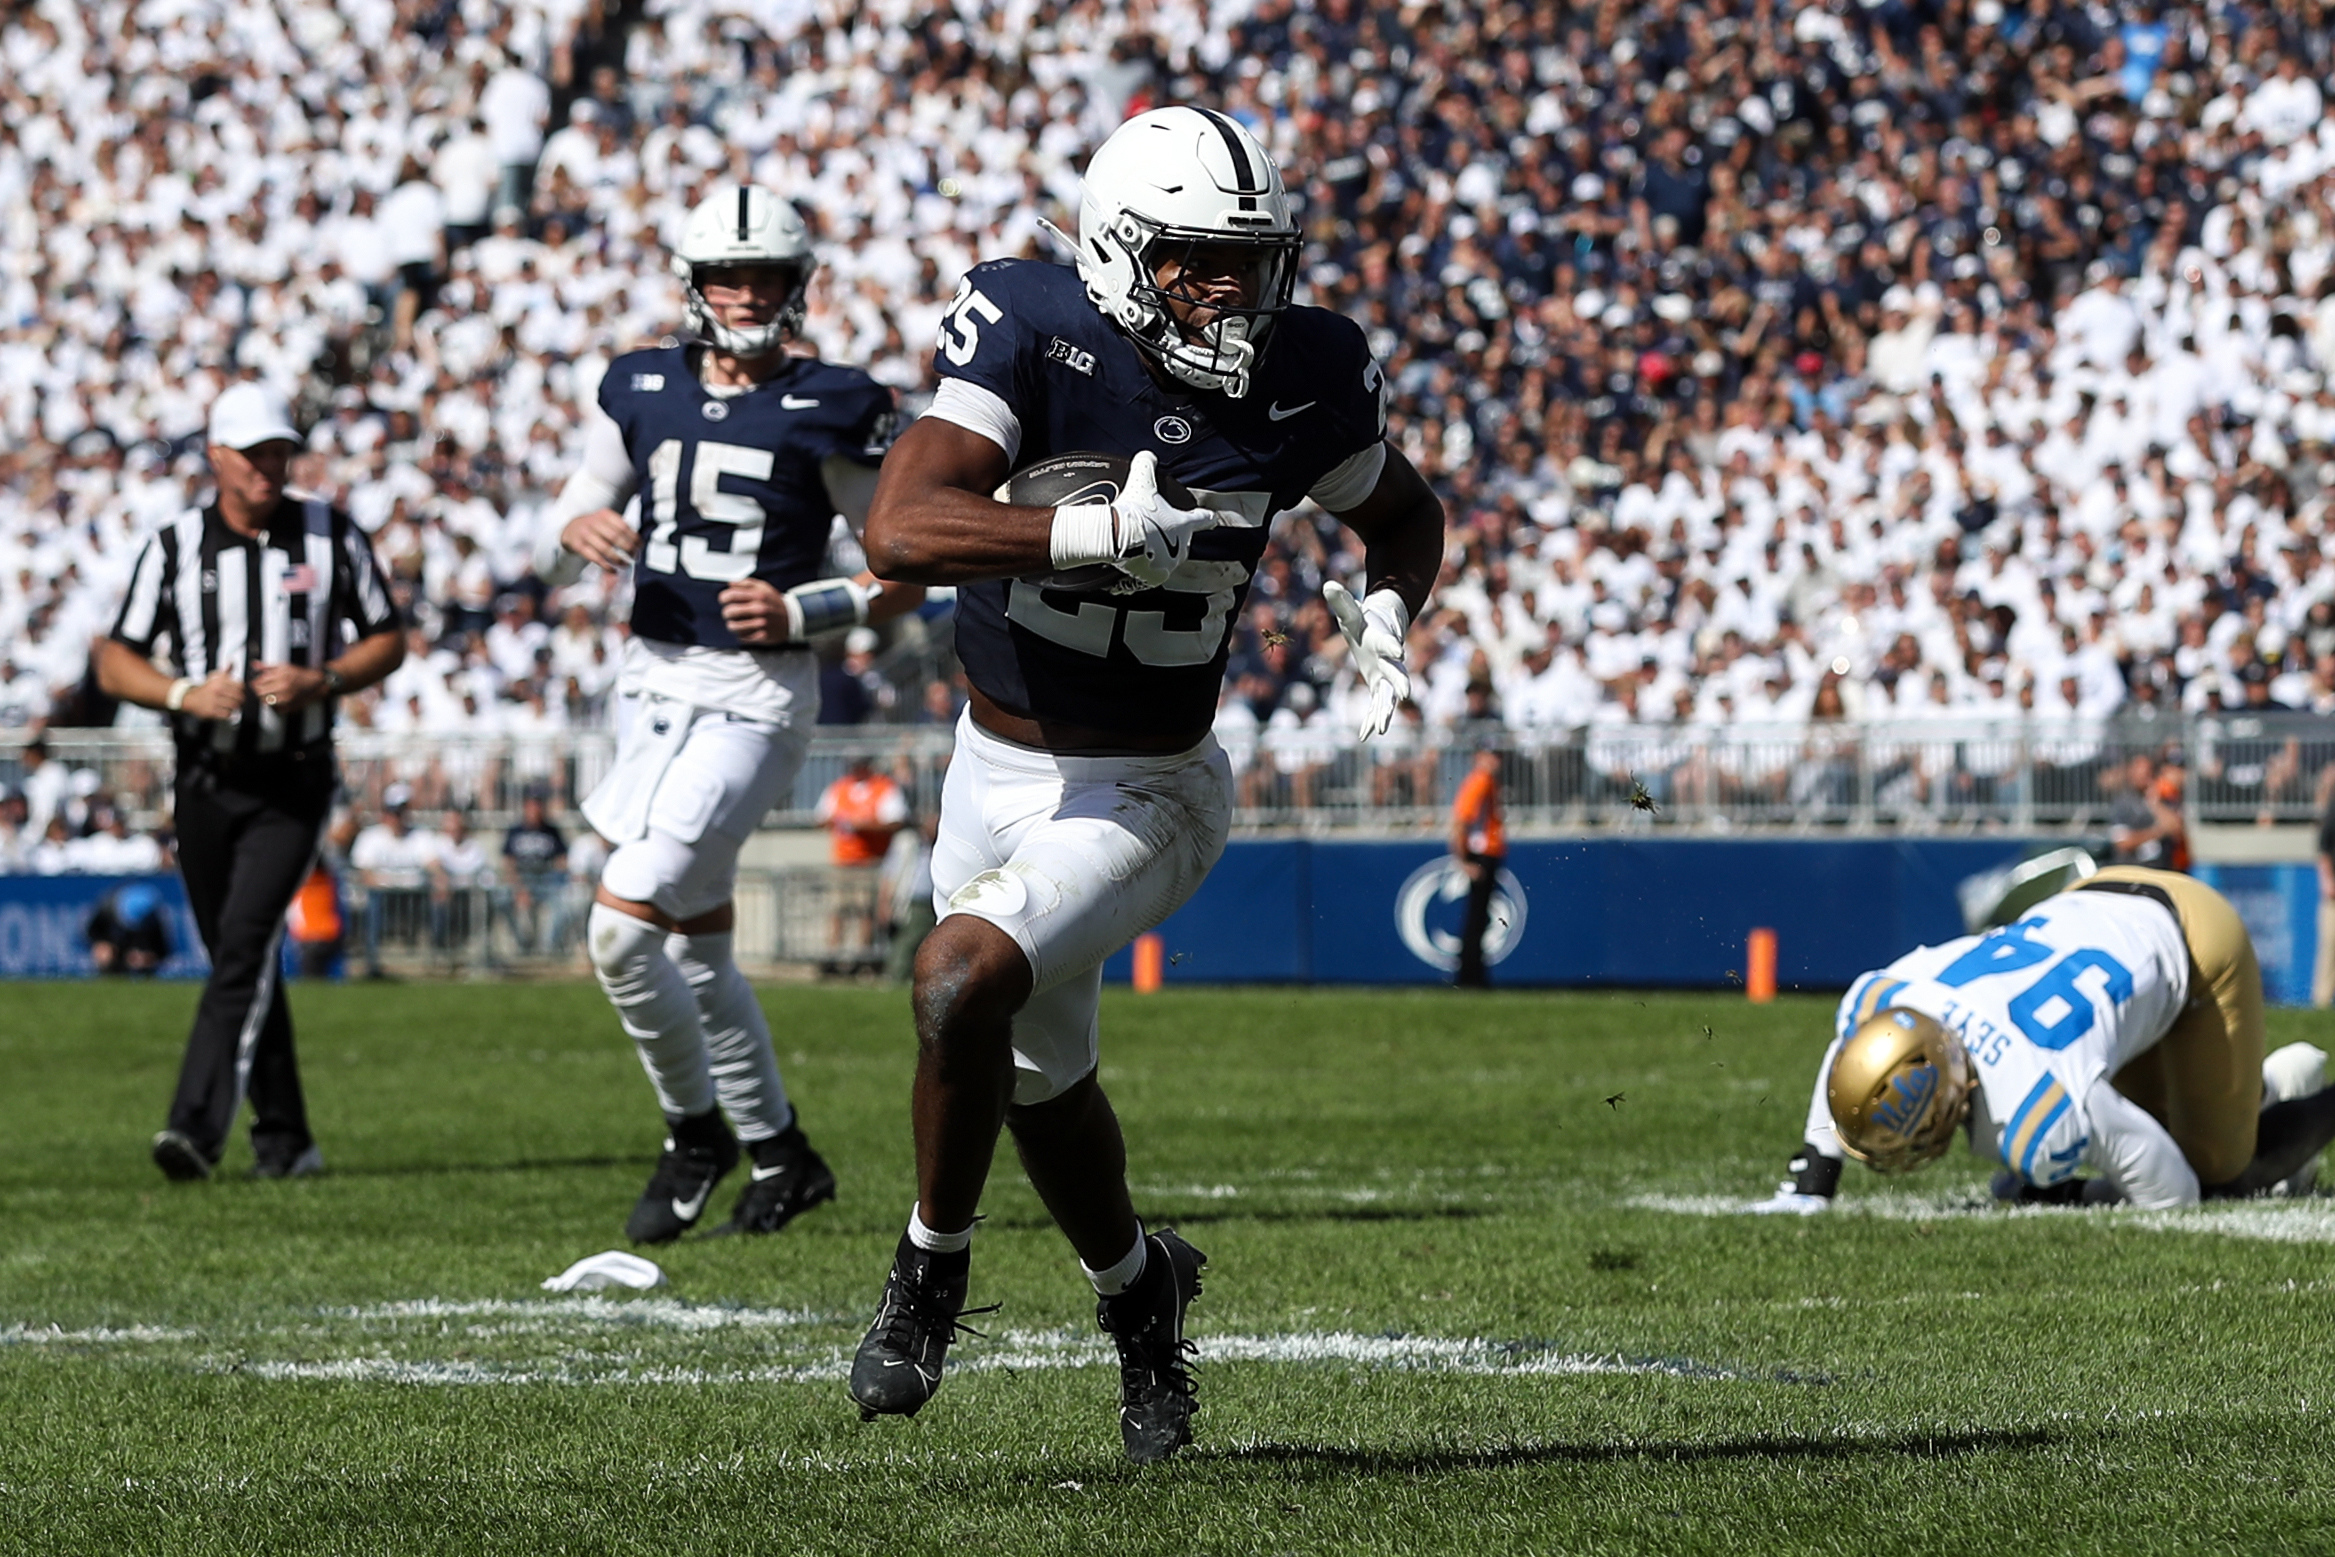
<point>299,594</point>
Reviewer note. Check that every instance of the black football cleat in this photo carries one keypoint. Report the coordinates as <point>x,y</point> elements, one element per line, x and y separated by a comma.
<point>698,1153</point>
<point>180,1159</point>
<point>898,1367</point>
<point>1156,1398</point>
<point>788,1178</point>
<point>303,1164</point>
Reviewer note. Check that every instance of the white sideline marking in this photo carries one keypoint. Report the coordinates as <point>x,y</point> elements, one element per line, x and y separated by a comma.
<point>2305,1220</point>
<point>50,1335</point>
<point>538,1314</point>
<point>1013,1351</point>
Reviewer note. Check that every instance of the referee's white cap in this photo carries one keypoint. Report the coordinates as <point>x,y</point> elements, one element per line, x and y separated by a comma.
<point>248,415</point>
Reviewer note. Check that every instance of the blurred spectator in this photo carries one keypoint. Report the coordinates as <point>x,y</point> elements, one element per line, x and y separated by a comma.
<point>45,787</point>
<point>53,854</point>
<point>316,927</point>
<point>468,894</point>
<point>850,690</point>
<point>129,931</point>
<point>109,848</point>
<point>1479,844</point>
<point>398,866</point>
<point>15,837</point>
<point>534,870</point>
<point>2142,828</point>
<point>861,811</point>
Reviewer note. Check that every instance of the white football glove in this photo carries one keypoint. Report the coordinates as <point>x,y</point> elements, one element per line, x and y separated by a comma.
<point>1788,1201</point>
<point>1143,535</point>
<point>1155,536</point>
<point>1374,630</point>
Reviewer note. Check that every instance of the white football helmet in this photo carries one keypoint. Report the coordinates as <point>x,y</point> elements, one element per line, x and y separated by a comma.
<point>739,224</point>
<point>1165,183</point>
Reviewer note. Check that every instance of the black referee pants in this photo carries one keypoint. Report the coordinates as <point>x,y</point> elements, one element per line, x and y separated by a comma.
<point>1474,972</point>
<point>244,855</point>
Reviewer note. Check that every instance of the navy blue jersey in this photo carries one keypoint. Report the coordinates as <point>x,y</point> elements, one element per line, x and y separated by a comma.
<point>1151,662</point>
<point>730,485</point>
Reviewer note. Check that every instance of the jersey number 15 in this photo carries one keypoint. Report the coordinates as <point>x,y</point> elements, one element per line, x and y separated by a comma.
<point>691,556</point>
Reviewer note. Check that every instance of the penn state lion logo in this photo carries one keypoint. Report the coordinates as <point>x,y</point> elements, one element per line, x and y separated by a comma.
<point>1433,937</point>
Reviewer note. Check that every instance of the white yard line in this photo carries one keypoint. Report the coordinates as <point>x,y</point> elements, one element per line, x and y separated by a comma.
<point>534,1314</point>
<point>51,1335</point>
<point>2306,1220</point>
<point>1016,1351</point>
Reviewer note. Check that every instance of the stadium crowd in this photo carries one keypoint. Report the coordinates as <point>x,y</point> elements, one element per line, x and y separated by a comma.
<point>1783,366</point>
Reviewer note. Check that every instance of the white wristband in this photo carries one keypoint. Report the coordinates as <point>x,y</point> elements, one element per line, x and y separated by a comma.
<point>1084,533</point>
<point>175,698</point>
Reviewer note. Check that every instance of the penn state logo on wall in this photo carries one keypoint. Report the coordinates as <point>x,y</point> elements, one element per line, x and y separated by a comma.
<point>1431,904</point>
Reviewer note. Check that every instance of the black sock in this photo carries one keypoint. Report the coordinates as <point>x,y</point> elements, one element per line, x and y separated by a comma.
<point>704,1130</point>
<point>784,1147</point>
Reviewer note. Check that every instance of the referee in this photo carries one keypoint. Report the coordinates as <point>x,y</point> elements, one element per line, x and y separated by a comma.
<point>272,607</point>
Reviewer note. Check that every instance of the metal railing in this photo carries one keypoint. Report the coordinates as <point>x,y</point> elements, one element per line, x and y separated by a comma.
<point>813,916</point>
<point>1917,776</point>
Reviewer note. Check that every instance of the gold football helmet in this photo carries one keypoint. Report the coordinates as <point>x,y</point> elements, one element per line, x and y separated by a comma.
<point>1899,1089</point>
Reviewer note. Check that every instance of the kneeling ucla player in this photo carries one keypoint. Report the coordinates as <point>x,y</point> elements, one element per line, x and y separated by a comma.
<point>742,454</point>
<point>2116,1028</point>
<point>1087,799</point>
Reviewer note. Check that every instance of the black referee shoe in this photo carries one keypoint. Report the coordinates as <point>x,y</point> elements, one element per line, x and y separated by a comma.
<point>697,1155</point>
<point>180,1159</point>
<point>1147,1320</point>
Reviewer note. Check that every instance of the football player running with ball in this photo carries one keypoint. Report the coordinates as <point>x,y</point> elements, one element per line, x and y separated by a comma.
<point>742,454</point>
<point>1087,799</point>
<point>2115,1027</point>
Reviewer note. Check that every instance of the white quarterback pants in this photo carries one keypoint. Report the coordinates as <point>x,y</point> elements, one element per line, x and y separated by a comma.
<point>689,787</point>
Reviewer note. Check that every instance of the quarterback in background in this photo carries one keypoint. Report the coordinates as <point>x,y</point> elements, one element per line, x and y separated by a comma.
<point>1087,799</point>
<point>742,454</point>
<point>2116,1027</point>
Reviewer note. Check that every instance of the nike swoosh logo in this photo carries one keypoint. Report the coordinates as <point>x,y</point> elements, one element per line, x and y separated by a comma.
<point>1278,414</point>
<point>764,1175</point>
<point>793,403</point>
<point>689,1210</point>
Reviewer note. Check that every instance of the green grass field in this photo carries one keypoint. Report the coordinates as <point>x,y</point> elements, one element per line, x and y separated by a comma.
<point>1470,1290</point>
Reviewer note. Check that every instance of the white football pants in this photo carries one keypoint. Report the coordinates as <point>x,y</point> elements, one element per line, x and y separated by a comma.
<point>1073,857</point>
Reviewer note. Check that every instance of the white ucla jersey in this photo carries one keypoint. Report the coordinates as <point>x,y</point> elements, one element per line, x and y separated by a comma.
<point>2047,1008</point>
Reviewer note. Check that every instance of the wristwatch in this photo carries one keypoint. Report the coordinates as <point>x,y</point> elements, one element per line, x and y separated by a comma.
<point>334,682</point>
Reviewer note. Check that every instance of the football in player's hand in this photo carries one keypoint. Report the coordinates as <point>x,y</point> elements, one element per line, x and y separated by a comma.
<point>1081,478</point>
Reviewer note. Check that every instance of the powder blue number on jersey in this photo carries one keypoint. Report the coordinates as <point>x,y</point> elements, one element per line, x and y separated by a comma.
<point>730,486</point>
<point>1025,331</point>
<point>2056,1009</point>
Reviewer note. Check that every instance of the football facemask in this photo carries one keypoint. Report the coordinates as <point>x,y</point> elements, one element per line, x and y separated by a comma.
<point>1175,192</point>
<point>738,228</point>
<point>1898,1090</point>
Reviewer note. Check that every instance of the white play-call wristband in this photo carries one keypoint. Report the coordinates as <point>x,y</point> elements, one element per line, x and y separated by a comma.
<point>175,698</point>
<point>1084,534</point>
